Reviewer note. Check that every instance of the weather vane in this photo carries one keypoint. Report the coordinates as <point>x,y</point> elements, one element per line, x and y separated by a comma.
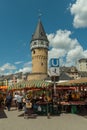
<point>39,14</point>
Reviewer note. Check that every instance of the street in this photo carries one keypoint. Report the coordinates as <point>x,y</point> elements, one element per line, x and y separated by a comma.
<point>14,120</point>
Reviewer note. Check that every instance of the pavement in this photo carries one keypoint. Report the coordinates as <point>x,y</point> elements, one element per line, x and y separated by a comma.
<point>14,120</point>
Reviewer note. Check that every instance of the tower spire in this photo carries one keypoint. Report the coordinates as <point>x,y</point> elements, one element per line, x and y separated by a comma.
<point>39,33</point>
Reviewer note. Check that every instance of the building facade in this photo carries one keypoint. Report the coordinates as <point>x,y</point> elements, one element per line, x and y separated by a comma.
<point>82,65</point>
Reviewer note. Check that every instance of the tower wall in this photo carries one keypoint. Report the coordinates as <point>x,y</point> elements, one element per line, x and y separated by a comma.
<point>39,46</point>
<point>36,76</point>
<point>39,60</point>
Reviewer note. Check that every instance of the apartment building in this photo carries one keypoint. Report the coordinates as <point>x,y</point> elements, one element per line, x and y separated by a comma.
<point>81,65</point>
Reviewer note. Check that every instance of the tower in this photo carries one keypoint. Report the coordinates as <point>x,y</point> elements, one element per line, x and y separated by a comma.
<point>39,46</point>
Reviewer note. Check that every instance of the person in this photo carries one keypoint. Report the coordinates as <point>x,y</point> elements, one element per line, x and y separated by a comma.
<point>19,101</point>
<point>1,100</point>
<point>28,106</point>
<point>8,101</point>
<point>15,99</point>
<point>24,103</point>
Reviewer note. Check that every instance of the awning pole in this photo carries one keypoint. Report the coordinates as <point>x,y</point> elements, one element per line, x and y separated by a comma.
<point>54,87</point>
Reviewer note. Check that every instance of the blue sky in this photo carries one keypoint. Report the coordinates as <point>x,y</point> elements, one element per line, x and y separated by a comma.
<point>64,21</point>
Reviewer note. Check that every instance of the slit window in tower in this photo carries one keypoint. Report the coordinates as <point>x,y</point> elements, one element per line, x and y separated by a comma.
<point>42,64</point>
<point>33,51</point>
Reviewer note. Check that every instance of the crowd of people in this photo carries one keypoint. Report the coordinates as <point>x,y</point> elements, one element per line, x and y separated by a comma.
<point>26,102</point>
<point>19,100</point>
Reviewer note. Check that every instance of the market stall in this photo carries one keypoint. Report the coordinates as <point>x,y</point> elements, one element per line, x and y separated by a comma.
<point>69,95</point>
<point>73,95</point>
<point>2,98</point>
<point>39,91</point>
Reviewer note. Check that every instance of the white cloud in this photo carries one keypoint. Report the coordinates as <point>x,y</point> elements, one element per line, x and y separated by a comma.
<point>28,64</point>
<point>18,62</point>
<point>74,54</point>
<point>61,39</point>
<point>7,69</point>
<point>66,48</point>
<point>79,10</point>
<point>26,68</point>
<point>85,53</point>
<point>7,66</point>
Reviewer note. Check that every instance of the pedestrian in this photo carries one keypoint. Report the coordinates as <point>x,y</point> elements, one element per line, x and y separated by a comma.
<point>15,99</point>
<point>19,101</point>
<point>28,107</point>
<point>8,101</point>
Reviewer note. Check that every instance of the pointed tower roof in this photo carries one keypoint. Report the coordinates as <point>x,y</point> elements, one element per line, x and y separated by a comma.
<point>39,33</point>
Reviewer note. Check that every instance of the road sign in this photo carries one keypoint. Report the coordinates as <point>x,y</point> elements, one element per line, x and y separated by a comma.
<point>54,71</point>
<point>54,62</point>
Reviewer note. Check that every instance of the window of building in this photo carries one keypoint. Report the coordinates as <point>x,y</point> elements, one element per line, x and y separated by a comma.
<point>35,43</point>
<point>41,42</point>
<point>33,51</point>
<point>42,64</point>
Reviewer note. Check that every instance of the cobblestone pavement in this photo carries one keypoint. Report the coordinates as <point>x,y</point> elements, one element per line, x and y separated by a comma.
<point>14,120</point>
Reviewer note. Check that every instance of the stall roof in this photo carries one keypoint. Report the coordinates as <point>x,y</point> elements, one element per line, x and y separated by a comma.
<point>30,84</point>
<point>80,81</point>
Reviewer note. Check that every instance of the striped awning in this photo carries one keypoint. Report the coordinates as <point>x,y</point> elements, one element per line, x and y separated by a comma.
<point>31,84</point>
<point>76,82</point>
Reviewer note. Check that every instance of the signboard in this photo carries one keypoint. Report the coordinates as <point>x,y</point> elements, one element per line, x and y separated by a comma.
<point>54,67</point>
<point>54,62</point>
<point>54,71</point>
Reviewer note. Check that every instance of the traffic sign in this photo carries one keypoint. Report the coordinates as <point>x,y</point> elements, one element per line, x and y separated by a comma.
<point>54,62</point>
<point>54,71</point>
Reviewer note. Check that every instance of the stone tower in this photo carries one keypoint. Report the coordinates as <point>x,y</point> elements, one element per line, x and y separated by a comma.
<point>39,50</point>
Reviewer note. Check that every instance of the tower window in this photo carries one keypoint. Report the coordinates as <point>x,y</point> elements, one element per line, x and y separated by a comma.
<point>41,64</point>
<point>47,44</point>
<point>35,43</point>
<point>41,42</point>
<point>33,51</point>
<point>41,33</point>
